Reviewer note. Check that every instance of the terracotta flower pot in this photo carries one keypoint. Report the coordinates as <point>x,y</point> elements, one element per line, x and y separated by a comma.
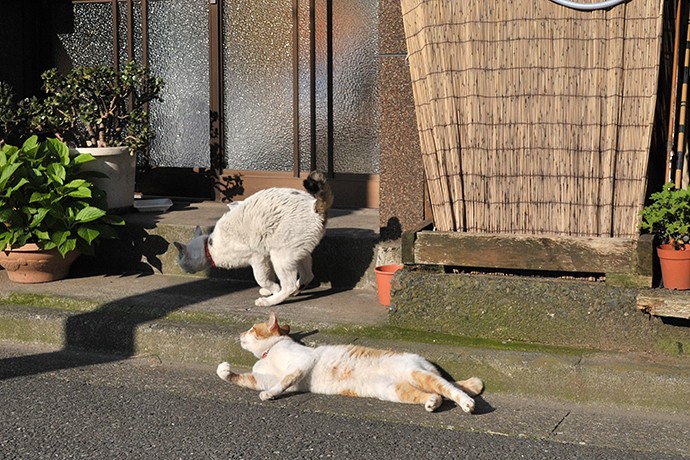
<point>29,264</point>
<point>384,275</point>
<point>675,267</point>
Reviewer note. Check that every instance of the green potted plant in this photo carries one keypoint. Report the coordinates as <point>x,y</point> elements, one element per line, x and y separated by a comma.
<point>49,210</point>
<point>668,217</point>
<point>96,110</point>
<point>14,118</point>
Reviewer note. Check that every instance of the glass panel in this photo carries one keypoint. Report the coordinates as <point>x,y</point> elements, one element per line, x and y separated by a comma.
<point>355,87</point>
<point>258,84</point>
<point>90,41</point>
<point>122,32</point>
<point>321,87</point>
<point>179,53</point>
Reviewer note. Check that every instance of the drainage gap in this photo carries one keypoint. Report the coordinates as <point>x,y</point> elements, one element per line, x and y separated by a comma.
<point>560,422</point>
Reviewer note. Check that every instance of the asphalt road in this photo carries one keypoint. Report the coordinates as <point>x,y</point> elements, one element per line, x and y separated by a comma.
<point>59,405</point>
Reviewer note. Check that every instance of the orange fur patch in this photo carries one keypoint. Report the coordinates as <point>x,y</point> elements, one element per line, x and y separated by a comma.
<point>428,382</point>
<point>244,380</point>
<point>408,394</point>
<point>357,352</point>
<point>350,393</point>
<point>339,373</point>
<point>263,331</point>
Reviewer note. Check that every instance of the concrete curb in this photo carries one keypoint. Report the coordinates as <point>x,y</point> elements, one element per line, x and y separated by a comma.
<point>189,335</point>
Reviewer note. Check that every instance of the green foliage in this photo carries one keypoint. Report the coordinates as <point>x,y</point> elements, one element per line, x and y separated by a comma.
<point>668,215</point>
<point>89,107</point>
<point>46,199</point>
<point>10,115</point>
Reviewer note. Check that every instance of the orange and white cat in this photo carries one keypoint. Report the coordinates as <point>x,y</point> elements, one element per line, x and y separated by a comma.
<point>349,370</point>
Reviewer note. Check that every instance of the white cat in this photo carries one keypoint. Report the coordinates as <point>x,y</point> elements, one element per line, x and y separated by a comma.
<point>348,370</point>
<point>274,230</point>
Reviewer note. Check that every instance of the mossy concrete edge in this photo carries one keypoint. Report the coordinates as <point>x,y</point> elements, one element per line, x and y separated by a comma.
<point>593,378</point>
<point>556,312</point>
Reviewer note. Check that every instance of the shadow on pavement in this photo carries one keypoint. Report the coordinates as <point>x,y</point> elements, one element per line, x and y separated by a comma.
<point>111,328</point>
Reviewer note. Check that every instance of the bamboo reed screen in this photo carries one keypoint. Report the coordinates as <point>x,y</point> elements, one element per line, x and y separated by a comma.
<point>534,118</point>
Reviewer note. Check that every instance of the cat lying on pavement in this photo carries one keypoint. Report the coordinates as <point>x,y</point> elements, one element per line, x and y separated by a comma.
<point>274,231</point>
<point>349,370</point>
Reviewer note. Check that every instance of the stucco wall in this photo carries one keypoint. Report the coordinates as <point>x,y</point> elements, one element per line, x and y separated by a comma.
<point>402,177</point>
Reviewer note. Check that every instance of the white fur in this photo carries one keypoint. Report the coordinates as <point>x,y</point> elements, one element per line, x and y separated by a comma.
<point>286,366</point>
<point>274,231</point>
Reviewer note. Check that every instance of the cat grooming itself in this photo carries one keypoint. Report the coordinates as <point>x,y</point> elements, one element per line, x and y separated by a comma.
<point>274,231</point>
<point>349,370</point>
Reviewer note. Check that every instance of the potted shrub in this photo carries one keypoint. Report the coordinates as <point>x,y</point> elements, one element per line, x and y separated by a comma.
<point>668,217</point>
<point>100,111</point>
<point>49,210</point>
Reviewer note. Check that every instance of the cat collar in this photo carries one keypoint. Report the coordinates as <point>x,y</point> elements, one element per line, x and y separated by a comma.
<point>264,354</point>
<point>208,254</point>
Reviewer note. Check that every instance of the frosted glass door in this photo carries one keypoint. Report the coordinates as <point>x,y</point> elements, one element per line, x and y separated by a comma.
<point>178,53</point>
<point>258,76</point>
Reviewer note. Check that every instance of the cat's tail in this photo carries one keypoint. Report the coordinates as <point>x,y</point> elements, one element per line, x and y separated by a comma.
<point>317,186</point>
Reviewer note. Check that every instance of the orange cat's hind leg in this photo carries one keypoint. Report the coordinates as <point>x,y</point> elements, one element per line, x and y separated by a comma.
<point>406,393</point>
<point>472,386</point>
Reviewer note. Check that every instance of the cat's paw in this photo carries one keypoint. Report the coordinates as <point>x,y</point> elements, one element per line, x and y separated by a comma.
<point>224,371</point>
<point>263,302</point>
<point>433,403</point>
<point>266,395</point>
<point>303,284</point>
<point>472,386</point>
<point>467,405</point>
<point>265,292</point>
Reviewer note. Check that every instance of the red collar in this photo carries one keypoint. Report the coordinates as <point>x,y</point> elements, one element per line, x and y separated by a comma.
<point>208,254</point>
<point>265,353</point>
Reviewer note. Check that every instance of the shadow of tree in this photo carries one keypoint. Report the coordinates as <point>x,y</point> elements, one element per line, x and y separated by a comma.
<point>135,251</point>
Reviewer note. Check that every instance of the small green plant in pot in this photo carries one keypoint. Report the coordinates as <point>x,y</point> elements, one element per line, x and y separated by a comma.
<point>47,200</point>
<point>668,217</point>
<point>97,110</point>
<point>99,106</point>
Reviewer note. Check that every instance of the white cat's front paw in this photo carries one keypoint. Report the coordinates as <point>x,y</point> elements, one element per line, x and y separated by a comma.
<point>263,302</point>
<point>223,370</point>
<point>266,395</point>
<point>265,292</point>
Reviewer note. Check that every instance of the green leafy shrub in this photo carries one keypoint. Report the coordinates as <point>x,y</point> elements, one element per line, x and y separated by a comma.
<point>46,199</point>
<point>668,215</point>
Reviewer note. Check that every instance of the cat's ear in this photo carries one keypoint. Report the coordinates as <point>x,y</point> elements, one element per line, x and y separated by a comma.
<point>198,231</point>
<point>273,324</point>
<point>180,247</point>
<point>272,321</point>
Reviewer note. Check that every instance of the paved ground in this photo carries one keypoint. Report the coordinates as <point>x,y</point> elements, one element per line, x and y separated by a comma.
<point>67,404</point>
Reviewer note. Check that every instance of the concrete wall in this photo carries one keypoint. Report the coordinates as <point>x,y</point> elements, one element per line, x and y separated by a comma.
<point>402,186</point>
<point>547,311</point>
